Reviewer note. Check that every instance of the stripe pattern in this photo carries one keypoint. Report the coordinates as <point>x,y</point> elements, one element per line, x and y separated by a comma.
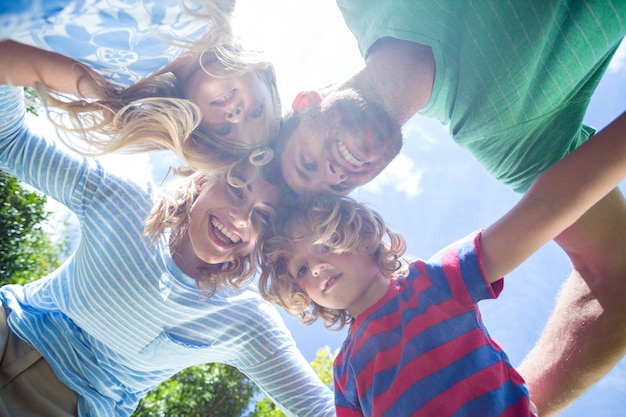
<point>423,349</point>
<point>119,316</point>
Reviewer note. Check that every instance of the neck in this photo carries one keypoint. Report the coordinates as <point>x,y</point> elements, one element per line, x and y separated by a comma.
<point>377,289</point>
<point>183,255</point>
<point>398,75</point>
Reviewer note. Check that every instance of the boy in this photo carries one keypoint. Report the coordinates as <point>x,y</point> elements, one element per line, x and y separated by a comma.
<point>417,345</point>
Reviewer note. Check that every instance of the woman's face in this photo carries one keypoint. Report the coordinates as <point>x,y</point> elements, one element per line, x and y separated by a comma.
<point>225,221</point>
<point>237,108</point>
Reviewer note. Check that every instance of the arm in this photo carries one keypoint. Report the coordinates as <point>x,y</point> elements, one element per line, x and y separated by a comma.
<point>557,199</point>
<point>25,65</point>
<point>288,379</point>
<point>391,65</point>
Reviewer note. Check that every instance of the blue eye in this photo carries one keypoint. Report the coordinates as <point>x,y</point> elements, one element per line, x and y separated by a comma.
<point>302,271</point>
<point>306,164</point>
<point>266,218</point>
<point>257,111</point>
<point>236,191</point>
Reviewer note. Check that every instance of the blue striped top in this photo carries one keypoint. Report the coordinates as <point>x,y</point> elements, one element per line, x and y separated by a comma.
<point>119,316</point>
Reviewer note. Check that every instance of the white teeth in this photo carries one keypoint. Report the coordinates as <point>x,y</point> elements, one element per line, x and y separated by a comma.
<point>224,233</point>
<point>348,156</point>
<point>224,98</point>
<point>329,282</point>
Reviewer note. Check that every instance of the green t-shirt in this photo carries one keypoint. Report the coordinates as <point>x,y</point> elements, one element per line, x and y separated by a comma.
<point>513,78</point>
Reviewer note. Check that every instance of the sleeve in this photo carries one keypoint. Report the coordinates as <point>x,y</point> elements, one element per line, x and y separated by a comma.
<point>457,271</point>
<point>273,361</point>
<point>290,382</point>
<point>40,161</point>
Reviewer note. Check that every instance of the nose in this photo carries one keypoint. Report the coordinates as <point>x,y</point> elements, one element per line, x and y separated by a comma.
<point>318,268</point>
<point>335,174</point>
<point>240,216</point>
<point>236,113</point>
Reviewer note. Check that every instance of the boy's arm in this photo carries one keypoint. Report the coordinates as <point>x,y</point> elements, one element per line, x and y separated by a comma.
<point>24,65</point>
<point>556,199</point>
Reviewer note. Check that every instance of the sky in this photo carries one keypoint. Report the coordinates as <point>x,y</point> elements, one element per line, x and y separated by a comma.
<point>434,192</point>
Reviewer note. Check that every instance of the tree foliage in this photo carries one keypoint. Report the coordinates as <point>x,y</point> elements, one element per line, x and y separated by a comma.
<point>26,251</point>
<point>217,390</point>
<point>323,367</point>
<point>205,390</point>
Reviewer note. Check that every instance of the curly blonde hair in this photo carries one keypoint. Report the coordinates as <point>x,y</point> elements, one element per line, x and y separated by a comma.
<point>153,114</point>
<point>342,224</point>
<point>170,211</point>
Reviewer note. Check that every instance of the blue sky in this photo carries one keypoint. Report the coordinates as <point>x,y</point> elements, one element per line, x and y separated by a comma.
<point>434,192</point>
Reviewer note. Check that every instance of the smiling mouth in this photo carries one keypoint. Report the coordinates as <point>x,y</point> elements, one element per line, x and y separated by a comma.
<point>331,281</point>
<point>222,233</point>
<point>225,99</point>
<point>348,156</point>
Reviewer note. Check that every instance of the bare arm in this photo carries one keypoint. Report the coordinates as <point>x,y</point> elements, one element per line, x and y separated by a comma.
<point>557,199</point>
<point>25,65</point>
<point>391,66</point>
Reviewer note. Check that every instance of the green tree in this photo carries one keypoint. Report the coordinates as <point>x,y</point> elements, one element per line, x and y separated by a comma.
<point>27,252</point>
<point>199,391</point>
<point>323,367</point>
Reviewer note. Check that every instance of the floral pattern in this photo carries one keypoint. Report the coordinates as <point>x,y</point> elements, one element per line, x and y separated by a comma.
<point>124,40</point>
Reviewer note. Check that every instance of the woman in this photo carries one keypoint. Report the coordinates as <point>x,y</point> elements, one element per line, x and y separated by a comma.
<point>135,304</point>
<point>136,100</point>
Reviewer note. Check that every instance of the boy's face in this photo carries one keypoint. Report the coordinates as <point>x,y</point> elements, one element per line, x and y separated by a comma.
<point>349,281</point>
<point>225,221</point>
<point>322,155</point>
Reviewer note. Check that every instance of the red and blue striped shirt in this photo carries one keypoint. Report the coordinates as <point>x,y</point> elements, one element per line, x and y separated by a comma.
<point>423,350</point>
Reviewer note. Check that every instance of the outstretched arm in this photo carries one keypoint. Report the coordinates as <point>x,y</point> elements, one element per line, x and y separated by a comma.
<point>25,65</point>
<point>557,199</point>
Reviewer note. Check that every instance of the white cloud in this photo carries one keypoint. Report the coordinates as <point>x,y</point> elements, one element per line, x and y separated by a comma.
<point>619,59</point>
<point>401,175</point>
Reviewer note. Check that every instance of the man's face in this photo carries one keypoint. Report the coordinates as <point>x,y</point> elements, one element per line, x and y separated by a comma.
<point>335,148</point>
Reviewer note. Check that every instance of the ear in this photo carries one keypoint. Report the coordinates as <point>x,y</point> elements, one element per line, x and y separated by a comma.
<point>200,182</point>
<point>305,100</point>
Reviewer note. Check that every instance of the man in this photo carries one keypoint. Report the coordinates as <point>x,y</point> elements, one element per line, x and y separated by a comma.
<point>513,80</point>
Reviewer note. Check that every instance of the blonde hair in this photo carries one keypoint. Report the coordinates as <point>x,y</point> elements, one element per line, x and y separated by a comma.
<point>340,223</point>
<point>170,211</point>
<point>152,113</point>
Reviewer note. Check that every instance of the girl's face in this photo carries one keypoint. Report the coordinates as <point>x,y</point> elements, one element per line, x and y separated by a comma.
<point>349,281</point>
<point>237,108</point>
<point>225,221</point>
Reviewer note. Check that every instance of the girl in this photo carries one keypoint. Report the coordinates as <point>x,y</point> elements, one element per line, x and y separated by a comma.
<point>228,93</point>
<point>416,344</point>
<point>155,285</point>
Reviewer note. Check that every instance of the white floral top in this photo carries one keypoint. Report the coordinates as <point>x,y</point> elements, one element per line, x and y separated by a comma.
<point>124,40</point>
